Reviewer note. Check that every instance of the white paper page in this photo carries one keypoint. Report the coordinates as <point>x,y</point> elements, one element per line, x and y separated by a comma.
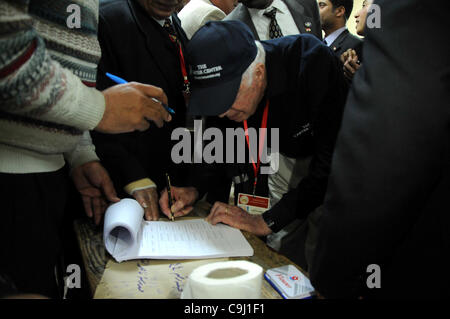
<point>121,228</point>
<point>191,239</point>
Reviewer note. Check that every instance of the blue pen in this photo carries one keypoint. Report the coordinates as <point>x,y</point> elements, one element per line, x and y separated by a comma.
<point>119,80</point>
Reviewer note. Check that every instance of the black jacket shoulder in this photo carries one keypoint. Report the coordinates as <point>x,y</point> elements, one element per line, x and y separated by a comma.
<point>346,41</point>
<point>136,48</point>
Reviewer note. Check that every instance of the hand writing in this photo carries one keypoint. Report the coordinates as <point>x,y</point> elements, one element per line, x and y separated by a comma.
<point>184,199</point>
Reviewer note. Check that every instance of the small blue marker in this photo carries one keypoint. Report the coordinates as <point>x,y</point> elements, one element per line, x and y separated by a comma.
<point>119,80</point>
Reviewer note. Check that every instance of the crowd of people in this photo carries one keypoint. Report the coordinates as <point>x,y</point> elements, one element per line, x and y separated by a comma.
<point>363,160</point>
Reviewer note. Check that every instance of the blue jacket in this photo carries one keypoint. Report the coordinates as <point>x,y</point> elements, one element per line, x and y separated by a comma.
<point>307,93</point>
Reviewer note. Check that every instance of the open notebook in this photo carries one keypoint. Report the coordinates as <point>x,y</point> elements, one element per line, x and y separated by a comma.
<point>128,236</point>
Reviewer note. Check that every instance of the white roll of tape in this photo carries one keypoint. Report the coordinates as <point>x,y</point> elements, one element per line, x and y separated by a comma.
<point>224,280</point>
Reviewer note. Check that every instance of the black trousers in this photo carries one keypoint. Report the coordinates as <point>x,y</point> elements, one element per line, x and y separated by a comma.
<point>31,216</point>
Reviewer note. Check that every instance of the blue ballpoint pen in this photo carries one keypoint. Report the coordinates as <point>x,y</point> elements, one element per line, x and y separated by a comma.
<point>119,80</point>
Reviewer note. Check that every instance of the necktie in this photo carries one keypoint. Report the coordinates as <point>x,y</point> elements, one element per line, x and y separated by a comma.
<point>274,28</point>
<point>168,26</point>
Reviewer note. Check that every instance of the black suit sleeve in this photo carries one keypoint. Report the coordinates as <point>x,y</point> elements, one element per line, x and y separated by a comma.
<point>391,150</point>
<point>326,90</point>
<point>123,167</point>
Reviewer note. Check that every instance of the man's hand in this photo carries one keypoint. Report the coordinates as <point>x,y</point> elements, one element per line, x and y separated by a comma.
<point>184,199</point>
<point>350,68</point>
<point>148,198</point>
<point>130,106</point>
<point>351,63</point>
<point>238,218</point>
<point>95,187</point>
<point>346,55</point>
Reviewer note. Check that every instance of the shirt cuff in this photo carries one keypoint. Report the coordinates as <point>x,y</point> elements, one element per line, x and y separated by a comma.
<point>139,185</point>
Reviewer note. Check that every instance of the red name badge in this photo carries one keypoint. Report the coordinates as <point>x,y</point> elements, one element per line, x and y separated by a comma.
<point>253,204</point>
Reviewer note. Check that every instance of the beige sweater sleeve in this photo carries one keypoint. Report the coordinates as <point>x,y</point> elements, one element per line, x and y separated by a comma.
<point>34,86</point>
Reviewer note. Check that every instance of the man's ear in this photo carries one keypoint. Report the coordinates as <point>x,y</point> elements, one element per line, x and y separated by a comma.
<point>260,73</point>
<point>260,85</point>
<point>340,12</point>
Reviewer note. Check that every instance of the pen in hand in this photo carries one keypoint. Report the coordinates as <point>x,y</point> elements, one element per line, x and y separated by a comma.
<point>169,193</point>
<point>119,80</point>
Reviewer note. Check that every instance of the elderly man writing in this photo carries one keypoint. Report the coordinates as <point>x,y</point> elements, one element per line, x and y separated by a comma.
<point>295,83</point>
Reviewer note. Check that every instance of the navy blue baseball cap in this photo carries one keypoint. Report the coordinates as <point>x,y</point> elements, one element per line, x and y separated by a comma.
<point>219,53</point>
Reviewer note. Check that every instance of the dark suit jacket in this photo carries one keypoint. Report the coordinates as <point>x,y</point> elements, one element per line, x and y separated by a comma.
<point>136,48</point>
<point>307,93</point>
<point>346,41</point>
<point>304,12</point>
<point>388,197</point>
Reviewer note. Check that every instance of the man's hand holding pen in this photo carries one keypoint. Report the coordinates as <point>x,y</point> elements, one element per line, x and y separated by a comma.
<point>169,195</point>
<point>184,199</point>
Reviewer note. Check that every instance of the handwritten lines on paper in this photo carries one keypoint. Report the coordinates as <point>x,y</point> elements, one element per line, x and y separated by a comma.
<point>169,238</point>
<point>178,279</point>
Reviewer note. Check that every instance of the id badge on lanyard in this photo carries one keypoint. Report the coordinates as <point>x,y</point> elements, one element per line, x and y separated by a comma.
<point>262,138</point>
<point>250,202</point>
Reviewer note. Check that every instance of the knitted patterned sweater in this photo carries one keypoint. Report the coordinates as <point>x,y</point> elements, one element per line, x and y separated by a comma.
<point>48,102</point>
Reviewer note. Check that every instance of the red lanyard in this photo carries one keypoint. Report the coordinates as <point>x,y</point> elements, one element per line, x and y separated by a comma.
<point>186,83</point>
<point>184,72</point>
<point>261,144</point>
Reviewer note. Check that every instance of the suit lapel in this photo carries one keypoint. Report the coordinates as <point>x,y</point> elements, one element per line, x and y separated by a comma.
<point>158,43</point>
<point>337,44</point>
<point>298,13</point>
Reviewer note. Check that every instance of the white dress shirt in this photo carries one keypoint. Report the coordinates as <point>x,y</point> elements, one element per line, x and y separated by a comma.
<point>161,22</point>
<point>284,20</point>
<point>333,36</point>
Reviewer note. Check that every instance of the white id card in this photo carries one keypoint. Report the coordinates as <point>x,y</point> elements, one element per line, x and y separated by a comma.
<point>255,205</point>
<point>290,282</point>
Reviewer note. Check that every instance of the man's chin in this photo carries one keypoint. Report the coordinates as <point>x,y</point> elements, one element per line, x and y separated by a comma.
<point>161,15</point>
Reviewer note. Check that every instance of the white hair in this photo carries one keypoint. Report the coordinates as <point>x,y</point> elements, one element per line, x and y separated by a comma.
<point>248,75</point>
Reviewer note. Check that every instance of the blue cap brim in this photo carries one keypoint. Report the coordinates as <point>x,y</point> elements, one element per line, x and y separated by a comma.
<point>213,100</point>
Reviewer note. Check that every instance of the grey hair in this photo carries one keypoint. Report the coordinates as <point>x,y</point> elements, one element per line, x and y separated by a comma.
<point>248,75</point>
